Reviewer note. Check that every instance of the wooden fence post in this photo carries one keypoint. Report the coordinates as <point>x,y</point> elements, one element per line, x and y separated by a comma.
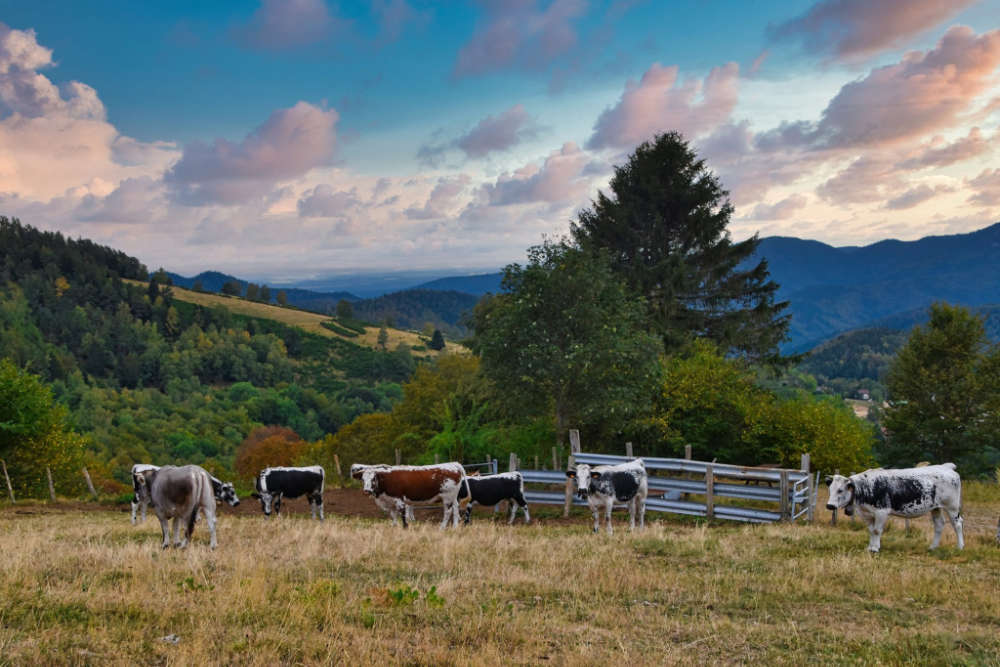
<point>574,448</point>
<point>709,491</point>
<point>52,487</point>
<point>336,466</point>
<point>512,463</point>
<point>437,458</point>
<point>90,484</point>
<point>783,486</point>
<point>687,452</point>
<point>399,457</point>
<point>555,459</point>
<point>536,462</point>
<point>628,450</point>
<point>10,489</point>
<point>810,488</point>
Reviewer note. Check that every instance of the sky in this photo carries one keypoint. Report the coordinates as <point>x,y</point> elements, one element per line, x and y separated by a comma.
<point>287,140</point>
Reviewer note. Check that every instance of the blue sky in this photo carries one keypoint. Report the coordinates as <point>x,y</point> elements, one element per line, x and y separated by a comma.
<point>289,140</point>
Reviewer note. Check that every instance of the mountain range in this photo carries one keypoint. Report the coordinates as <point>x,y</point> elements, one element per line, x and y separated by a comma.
<point>830,289</point>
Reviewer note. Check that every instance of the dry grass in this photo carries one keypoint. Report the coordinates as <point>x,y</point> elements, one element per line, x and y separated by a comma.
<point>89,588</point>
<point>297,318</point>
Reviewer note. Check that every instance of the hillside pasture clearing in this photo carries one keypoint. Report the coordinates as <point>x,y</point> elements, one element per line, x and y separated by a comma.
<point>79,587</point>
<point>303,319</point>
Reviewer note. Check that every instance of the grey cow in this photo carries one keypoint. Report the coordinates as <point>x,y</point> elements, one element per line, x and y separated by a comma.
<point>178,493</point>
<point>224,492</point>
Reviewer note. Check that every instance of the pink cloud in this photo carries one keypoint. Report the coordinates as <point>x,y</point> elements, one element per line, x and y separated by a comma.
<point>497,133</point>
<point>987,188</point>
<point>782,210</point>
<point>855,29</point>
<point>938,155</point>
<point>870,178</point>
<point>441,199</point>
<point>917,195</point>
<point>278,25</point>
<point>519,33</point>
<point>658,103</point>
<point>560,179</point>
<point>289,144</point>
<point>325,202</point>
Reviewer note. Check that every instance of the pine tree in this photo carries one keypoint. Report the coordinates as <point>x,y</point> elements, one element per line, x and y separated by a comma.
<point>664,230</point>
<point>437,340</point>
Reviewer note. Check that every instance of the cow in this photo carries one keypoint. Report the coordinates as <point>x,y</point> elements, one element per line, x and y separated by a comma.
<point>417,484</point>
<point>604,485</point>
<point>273,484</point>
<point>489,490</point>
<point>179,493</point>
<point>907,492</point>
<point>139,497</point>
<point>394,507</point>
<point>224,492</point>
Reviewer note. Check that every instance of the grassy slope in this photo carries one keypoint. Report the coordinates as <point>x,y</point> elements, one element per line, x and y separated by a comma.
<point>77,588</point>
<point>297,318</point>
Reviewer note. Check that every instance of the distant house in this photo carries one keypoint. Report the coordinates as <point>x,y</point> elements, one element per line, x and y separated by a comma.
<point>864,395</point>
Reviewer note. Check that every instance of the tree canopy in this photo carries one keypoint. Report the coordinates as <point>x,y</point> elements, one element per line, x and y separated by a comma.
<point>565,337</point>
<point>664,230</point>
<point>944,395</point>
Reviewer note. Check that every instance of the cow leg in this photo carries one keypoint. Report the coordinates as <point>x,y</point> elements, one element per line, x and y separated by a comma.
<point>642,511</point>
<point>876,527</point>
<point>607,515</point>
<point>210,520</point>
<point>938,520</point>
<point>312,507</point>
<point>165,528</point>
<point>135,506</point>
<point>468,512</point>
<point>956,523</point>
<point>402,508</point>
<point>631,513</point>
<point>513,511</point>
<point>177,532</point>
<point>319,504</point>
<point>597,522</point>
<point>524,506</point>
<point>454,513</point>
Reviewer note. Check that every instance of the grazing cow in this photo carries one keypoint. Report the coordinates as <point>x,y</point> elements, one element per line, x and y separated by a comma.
<point>417,484</point>
<point>394,507</point>
<point>489,490</point>
<point>178,494</point>
<point>224,492</point>
<point>907,492</point>
<point>273,484</point>
<point>139,498</point>
<point>603,485</point>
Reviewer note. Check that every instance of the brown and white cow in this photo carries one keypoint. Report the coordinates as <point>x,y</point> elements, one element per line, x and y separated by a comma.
<point>178,494</point>
<point>417,484</point>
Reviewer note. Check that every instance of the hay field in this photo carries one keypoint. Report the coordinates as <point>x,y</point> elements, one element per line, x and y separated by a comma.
<point>88,588</point>
<point>302,319</point>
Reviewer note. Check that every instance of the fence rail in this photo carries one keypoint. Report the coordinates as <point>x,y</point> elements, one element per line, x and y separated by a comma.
<point>794,492</point>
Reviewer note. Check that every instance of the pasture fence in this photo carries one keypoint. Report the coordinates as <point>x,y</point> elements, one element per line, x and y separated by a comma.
<point>673,481</point>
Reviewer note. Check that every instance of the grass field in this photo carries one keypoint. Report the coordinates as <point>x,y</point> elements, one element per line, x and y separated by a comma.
<point>86,587</point>
<point>297,318</point>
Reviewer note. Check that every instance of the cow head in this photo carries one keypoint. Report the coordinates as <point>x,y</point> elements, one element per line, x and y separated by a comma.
<point>370,482</point>
<point>841,493</point>
<point>269,500</point>
<point>581,476</point>
<point>357,469</point>
<point>226,493</point>
<point>143,481</point>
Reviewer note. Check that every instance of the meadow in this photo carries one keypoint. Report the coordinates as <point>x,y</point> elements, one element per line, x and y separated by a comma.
<point>85,587</point>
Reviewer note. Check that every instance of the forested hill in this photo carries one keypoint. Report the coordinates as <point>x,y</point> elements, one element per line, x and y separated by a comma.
<point>148,377</point>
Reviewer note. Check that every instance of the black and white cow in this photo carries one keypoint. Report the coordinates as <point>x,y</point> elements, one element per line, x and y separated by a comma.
<point>489,490</point>
<point>224,492</point>
<point>179,493</point>
<point>273,484</point>
<point>604,485</point>
<point>908,492</point>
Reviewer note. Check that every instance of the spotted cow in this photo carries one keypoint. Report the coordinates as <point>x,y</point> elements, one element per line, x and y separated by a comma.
<point>604,485</point>
<point>394,507</point>
<point>489,490</point>
<point>273,484</point>
<point>907,492</point>
<point>417,484</point>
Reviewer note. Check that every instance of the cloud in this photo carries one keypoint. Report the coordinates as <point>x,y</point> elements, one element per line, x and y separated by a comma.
<point>987,188</point>
<point>519,33</point>
<point>441,200</point>
<point>325,202</point>
<point>135,200</point>
<point>868,179</point>
<point>558,180</point>
<point>491,134</point>
<point>658,103</point>
<point>917,195</point>
<point>782,210</point>
<point>938,155</point>
<point>394,16</point>
<point>851,30</point>
<point>289,144</point>
<point>279,25</point>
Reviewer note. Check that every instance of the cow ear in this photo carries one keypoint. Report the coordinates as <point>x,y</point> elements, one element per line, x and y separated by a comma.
<point>850,484</point>
<point>594,474</point>
<point>828,480</point>
<point>571,473</point>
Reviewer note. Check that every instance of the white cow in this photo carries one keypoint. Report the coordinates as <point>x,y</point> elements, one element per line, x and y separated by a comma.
<point>178,494</point>
<point>908,492</point>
